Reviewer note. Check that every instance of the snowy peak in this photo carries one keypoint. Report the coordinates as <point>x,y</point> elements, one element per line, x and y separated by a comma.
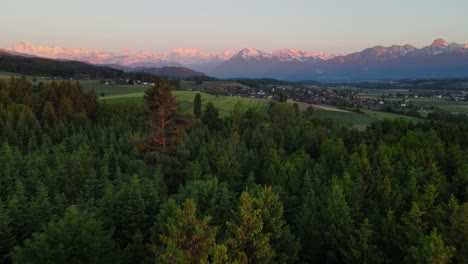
<point>440,46</point>
<point>23,46</point>
<point>48,52</point>
<point>439,43</point>
<point>251,61</point>
<point>283,55</point>
<point>251,54</point>
<point>300,55</point>
<point>174,57</point>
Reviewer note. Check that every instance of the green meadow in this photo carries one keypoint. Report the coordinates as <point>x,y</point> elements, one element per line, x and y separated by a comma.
<point>224,104</point>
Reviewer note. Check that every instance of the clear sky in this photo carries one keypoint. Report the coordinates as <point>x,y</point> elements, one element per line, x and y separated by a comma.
<point>335,26</point>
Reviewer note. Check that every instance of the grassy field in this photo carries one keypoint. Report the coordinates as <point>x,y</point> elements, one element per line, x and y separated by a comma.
<point>358,120</point>
<point>6,75</point>
<point>443,104</point>
<point>384,115</point>
<point>451,106</point>
<point>374,93</point>
<point>190,85</point>
<point>111,90</point>
<point>224,104</point>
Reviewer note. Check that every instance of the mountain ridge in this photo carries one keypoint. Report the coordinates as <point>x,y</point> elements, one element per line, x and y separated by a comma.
<point>440,59</point>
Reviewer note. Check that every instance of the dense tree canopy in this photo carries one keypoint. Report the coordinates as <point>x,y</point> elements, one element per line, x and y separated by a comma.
<point>248,188</point>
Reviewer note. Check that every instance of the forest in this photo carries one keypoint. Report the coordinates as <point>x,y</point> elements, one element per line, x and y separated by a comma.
<point>82,181</point>
<point>54,68</point>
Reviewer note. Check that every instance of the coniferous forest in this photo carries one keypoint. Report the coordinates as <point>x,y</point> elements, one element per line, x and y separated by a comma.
<point>82,181</point>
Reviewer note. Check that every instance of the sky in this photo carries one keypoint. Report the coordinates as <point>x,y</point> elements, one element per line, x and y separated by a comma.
<point>333,26</point>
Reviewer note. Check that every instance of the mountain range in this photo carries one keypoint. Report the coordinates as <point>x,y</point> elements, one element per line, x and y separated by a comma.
<point>438,60</point>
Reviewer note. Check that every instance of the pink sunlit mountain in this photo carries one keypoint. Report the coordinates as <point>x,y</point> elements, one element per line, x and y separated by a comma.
<point>176,57</point>
<point>440,59</point>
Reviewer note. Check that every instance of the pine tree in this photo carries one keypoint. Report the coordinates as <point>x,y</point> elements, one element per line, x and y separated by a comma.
<point>48,114</point>
<point>188,240</point>
<point>76,238</point>
<point>210,117</point>
<point>167,125</point>
<point>197,104</point>
<point>135,252</point>
<point>339,222</point>
<point>361,246</point>
<point>431,250</point>
<point>249,243</point>
<point>7,239</point>
<point>91,105</point>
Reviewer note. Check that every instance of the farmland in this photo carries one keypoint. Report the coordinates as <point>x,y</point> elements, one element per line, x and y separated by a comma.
<point>224,104</point>
<point>133,94</point>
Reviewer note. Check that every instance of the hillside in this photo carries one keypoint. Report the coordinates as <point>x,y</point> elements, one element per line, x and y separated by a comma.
<point>57,68</point>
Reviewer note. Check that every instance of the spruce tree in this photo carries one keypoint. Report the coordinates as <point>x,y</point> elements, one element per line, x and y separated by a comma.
<point>197,104</point>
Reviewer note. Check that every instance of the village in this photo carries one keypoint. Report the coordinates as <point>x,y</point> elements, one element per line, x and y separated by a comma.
<point>409,102</point>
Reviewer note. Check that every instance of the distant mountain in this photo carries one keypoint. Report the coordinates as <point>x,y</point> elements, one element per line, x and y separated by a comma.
<point>438,60</point>
<point>300,55</point>
<point>173,58</point>
<point>172,72</point>
<point>284,63</point>
<point>12,62</point>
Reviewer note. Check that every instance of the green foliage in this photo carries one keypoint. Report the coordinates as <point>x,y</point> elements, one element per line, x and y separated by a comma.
<point>431,249</point>
<point>280,96</point>
<point>361,246</point>
<point>7,240</point>
<point>197,106</point>
<point>338,221</point>
<point>248,242</point>
<point>283,114</point>
<point>187,239</point>
<point>212,197</point>
<point>76,238</point>
<point>210,117</point>
<point>244,187</point>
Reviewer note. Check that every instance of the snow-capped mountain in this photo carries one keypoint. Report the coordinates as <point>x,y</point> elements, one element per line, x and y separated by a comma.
<point>300,55</point>
<point>252,54</point>
<point>284,55</point>
<point>440,59</point>
<point>256,63</point>
<point>440,46</point>
<point>176,57</point>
